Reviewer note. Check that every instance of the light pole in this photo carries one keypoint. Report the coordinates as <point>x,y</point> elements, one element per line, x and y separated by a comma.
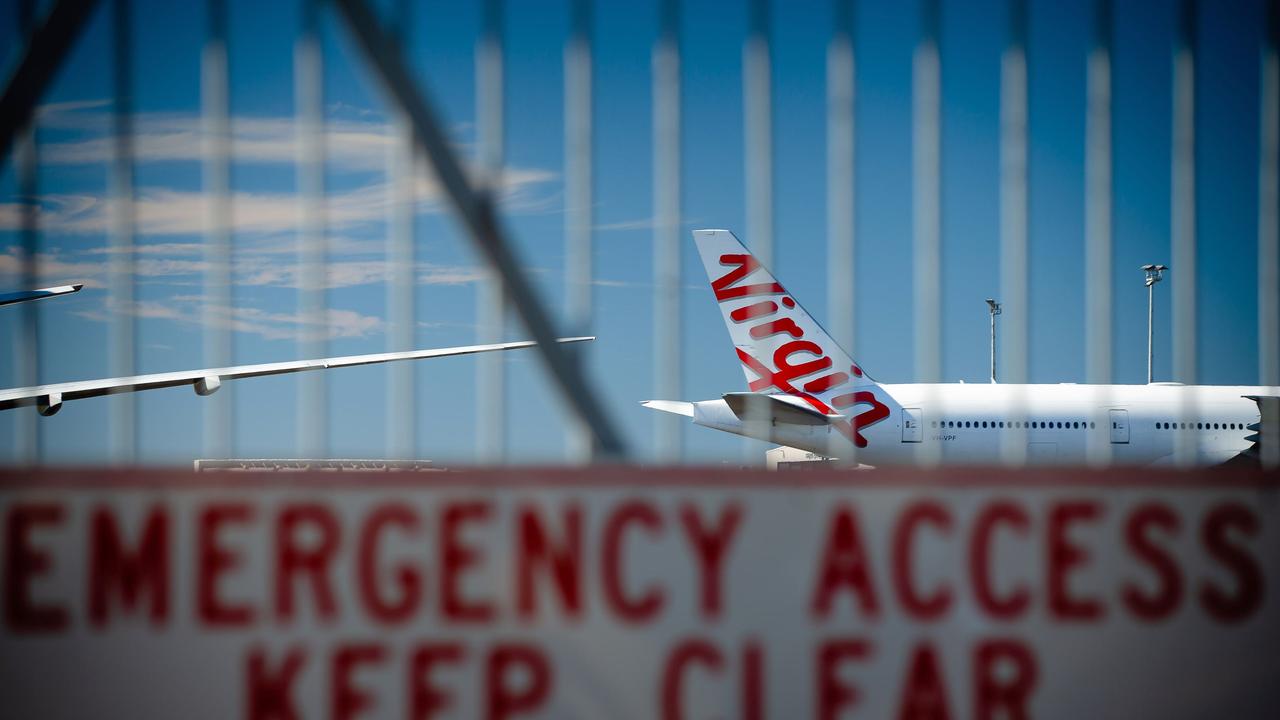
<point>1155,273</point>
<point>995,310</point>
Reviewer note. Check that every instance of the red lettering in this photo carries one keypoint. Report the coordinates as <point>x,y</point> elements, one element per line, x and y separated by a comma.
<point>310,562</point>
<point>753,681</point>
<point>723,286</point>
<point>844,566</point>
<point>459,557</point>
<point>834,694</point>
<point>754,310</point>
<point>631,608</point>
<point>564,561</point>
<point>24,564</point>
<point>216,561</point>
<point>504,699</point>
<point>777,327</point>
<point>916,514</point>
<point>865,419</point>
<point>269,693</point>
<point>425,698</point>
<point>788,372</point>
<point>1064,556</point>
<point>826,382</point>
<point>112,568</point>
<point>346,699</point>
<point>1166,599</point>
<point>710,550</point>
<point>407,578</point>
<point>1219,603</point>
<point>924,697</point>
<point>1015,603</point>
<point>1006,692</point>
<point>685,654</point>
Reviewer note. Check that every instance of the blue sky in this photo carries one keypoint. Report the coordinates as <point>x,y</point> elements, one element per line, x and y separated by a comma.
<point>168,36</point>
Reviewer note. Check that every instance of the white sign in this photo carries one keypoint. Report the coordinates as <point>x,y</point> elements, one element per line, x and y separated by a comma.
<point>639,593</point>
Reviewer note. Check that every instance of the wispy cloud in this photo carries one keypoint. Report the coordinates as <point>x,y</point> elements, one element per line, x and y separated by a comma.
<point>252,271</point>
<point>168,212</point>
<point>353,142</point>
<point>637,224</point>
<point>356,143</point>
<point>644,223</point>
<point>192,310</point>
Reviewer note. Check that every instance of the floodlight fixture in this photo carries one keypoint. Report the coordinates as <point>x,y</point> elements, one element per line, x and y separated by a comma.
<point>1154,274</point>
<point>995,308</point>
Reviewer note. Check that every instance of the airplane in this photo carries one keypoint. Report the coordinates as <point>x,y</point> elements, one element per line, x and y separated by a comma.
<point>805,392</point>
<point>29,295</point>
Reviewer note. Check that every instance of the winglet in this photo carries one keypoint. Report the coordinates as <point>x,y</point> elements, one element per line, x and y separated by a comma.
<point>29,295</point>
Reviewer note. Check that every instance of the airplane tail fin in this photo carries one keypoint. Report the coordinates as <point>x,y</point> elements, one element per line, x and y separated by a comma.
<point>781,347</point>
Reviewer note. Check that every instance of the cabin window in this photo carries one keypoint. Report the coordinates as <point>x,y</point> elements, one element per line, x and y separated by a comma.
<point>1075,426</point>
<point>966,423</point>
<point>1001,423</point>
<point>984,423</point>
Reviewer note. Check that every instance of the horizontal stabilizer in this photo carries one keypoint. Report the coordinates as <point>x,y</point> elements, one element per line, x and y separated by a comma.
<point>778,408</point>
<point>675,407</point>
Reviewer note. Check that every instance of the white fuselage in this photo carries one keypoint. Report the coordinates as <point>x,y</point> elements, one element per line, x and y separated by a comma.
<point>1063,424</point>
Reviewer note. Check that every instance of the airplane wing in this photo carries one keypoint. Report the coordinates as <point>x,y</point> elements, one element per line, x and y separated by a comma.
<point>26,295</point>
<point>48,399</point>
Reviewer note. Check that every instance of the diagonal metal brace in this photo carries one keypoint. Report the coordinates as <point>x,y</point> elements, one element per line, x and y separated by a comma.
<point>47,47</point>
<point>475,208</point>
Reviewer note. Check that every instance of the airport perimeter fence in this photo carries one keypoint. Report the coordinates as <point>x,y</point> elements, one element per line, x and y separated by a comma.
<point>315,585</point>
<point>50,32</point>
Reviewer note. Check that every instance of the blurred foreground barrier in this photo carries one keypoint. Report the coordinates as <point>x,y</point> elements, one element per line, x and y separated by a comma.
<point>617,592</point>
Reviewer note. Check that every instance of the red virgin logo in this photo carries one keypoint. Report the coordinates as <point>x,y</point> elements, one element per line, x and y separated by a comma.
<point>789,363</point>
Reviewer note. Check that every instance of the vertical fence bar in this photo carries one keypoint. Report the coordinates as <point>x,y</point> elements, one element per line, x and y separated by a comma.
<point>123,407</point>
<point>578,134</point>
<point>1183,221</point>
<point>1097,218</point>
<point>402,267</point>
<point>667,313</point>
<point>26,349</point>
<point>1014,267</point>
<point>926,156</point>
<point>313,400</point>
<point>841,149</point>
<point>215,99</point>
<point>491,371</point>
<point>1269,225</point>
<point>757,96</point>
<point>758,132</point>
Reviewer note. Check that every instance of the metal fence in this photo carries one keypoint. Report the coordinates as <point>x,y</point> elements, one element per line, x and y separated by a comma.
<point>594,435</point>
